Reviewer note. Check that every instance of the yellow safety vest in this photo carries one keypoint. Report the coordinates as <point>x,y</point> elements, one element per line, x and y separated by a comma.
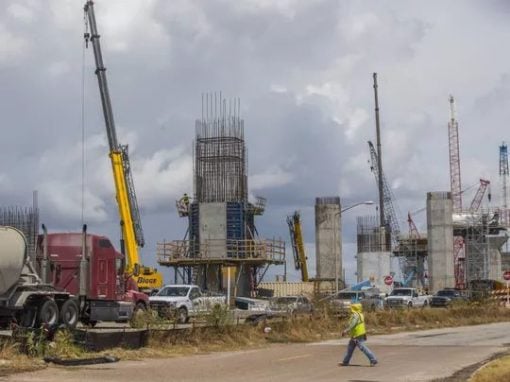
<point>359,329</point>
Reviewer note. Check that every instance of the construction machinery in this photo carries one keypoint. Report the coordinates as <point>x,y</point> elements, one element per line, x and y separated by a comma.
<point>298,247</point>
<point>477,200</point>
<point>74,277</point>
<point>147,278</point>
<point>391,221</point>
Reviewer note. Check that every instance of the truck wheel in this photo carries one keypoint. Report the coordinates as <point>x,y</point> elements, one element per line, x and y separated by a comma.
<point>28,317</point>
<point>48,313</point>
<point>410,305</point>
<point>182,315</point>
<point>69,313</point>
<point>425,304</point>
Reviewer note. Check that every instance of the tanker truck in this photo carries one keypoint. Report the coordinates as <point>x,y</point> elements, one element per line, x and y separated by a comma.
<point>80,278</point>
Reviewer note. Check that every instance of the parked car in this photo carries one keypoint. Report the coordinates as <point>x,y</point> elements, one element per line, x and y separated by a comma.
<point>447,296</point>
<point>183,302</point>
<point>370,299</point>
<point>291,304</point>
<point>406,298</point>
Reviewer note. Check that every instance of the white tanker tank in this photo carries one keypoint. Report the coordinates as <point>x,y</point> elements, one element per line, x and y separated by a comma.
<point>13,256</point>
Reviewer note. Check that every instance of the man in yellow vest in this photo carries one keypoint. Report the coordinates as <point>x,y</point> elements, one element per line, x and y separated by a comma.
<point>357,332</point>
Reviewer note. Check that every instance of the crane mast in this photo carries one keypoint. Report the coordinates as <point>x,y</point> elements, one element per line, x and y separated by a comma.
<point>132,234</point>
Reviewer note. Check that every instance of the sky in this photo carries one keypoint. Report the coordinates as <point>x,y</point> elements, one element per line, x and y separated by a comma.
<point>303,71</point>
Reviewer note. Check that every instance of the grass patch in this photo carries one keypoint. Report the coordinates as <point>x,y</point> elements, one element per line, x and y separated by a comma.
<point>494,371</point>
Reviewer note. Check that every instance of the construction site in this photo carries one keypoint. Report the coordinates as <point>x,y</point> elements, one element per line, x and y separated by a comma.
<point>225,262</point>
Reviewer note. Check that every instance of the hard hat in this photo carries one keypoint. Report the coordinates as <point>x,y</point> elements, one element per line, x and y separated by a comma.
<point>356,307</point>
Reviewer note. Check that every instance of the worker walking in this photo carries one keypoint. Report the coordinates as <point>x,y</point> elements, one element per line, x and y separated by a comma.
<point>357,332</point>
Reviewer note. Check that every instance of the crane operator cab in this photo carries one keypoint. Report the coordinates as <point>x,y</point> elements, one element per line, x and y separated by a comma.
<point>183,205</point>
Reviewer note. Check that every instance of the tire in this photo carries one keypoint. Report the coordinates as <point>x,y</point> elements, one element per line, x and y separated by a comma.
<point>48,313</point>
<point>425,304</point>
<point>182,315</point>
<point>410,305</point>
<point>69,314</point>
<point>28,317</point>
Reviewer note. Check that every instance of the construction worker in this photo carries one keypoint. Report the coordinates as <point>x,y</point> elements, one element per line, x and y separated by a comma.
<point>357,332</point>
<point>183,205</point>
<point>185,200</point>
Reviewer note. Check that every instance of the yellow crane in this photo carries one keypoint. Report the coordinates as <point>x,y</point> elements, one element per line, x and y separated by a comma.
<point>147,278</point>
<point>298,246</point>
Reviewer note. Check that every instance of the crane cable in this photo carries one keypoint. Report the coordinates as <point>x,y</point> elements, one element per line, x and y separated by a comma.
<point>83,159</point>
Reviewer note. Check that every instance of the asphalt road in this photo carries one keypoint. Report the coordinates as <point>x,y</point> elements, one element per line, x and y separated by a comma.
<point>412,356</point>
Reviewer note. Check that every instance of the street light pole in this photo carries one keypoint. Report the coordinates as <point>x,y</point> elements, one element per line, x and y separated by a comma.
<point>336,229</point>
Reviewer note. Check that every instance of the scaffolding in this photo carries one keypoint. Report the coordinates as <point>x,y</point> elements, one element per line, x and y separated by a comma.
<point>483,236</point>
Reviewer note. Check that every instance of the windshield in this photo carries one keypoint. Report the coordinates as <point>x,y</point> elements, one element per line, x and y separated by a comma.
<point>447,293</point>
<point>284,300</point>
<point>401,292</point>
<point>173,292</point>
<point>347,296</point>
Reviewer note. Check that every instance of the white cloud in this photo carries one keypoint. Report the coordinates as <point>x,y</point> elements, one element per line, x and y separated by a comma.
<point>12,47</point>
<point>271,178</point>
<point>21,12</point>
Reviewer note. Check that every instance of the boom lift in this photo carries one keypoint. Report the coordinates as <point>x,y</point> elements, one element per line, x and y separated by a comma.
<point>298,248</point>
<point>147,278</point>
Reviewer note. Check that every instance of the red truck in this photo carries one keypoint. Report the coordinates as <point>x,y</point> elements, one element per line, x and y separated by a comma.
<point>106,294</point>
<point>75,277</point>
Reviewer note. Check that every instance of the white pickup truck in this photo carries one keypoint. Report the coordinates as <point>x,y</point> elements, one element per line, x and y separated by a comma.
<point>183,302</point>
<point>406,297</point>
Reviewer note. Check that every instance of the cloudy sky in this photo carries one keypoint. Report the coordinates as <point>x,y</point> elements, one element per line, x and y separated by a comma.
<point>303,70</point>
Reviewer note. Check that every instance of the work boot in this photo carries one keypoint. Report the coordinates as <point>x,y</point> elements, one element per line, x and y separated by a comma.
<point>342,364</point>
<point>373,363</point>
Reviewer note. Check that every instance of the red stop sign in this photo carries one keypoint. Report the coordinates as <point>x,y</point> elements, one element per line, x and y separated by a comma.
<point>388,280</point>
<point>506,275</point>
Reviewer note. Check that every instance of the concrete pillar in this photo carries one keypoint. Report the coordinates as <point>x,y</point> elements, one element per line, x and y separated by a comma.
<point>328,237</point>
<point>495,266</point>
<point>440,240</point>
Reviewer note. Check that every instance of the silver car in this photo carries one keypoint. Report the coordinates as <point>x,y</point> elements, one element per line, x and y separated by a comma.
<point>291,304</point>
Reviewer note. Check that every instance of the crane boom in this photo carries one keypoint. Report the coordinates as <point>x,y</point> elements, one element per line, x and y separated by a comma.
<point>477,200</point>
<point>132,234</point>
<point>389,210</point>
<point>298,247</point>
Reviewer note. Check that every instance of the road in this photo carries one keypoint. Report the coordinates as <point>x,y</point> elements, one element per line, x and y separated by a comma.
<point>412,356</point>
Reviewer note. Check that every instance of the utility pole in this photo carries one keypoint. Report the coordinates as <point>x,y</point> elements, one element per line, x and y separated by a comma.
<point>379,156</point>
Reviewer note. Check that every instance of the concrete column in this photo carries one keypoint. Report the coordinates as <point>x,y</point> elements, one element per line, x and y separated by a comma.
<point>440,240</point>
<point>328,237</point>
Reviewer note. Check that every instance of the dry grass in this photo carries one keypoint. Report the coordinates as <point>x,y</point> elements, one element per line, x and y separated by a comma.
<point>495,371</point>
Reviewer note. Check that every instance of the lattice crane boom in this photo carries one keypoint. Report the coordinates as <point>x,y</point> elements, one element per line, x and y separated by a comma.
<point>453,140</point>
<point>391,220</point>
<point>477,200</point>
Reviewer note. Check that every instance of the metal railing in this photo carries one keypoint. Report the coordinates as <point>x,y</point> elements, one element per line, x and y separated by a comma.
<point>214,249</point>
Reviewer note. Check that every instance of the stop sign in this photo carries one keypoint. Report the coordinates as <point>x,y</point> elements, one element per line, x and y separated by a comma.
<point>506,275</point>
<point>388,280</point>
